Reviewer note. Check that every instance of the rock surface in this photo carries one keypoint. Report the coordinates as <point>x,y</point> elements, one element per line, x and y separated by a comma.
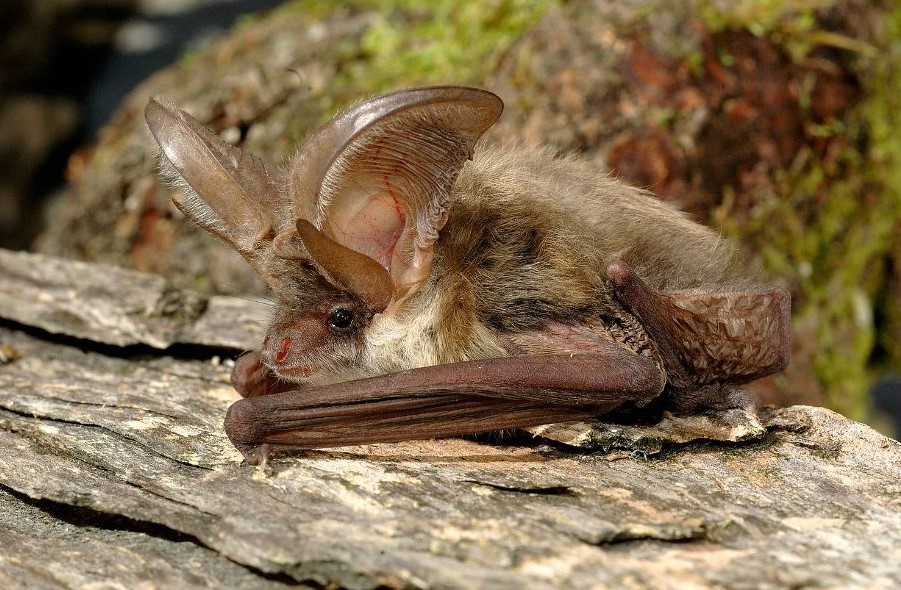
<point>114,471</point>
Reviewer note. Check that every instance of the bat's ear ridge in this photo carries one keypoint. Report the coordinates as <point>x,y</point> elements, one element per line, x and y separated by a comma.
<point>378,177</point>
<point>232,193</point>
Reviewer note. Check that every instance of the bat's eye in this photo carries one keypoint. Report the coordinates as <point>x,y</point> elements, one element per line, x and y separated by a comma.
<point>340,318</point>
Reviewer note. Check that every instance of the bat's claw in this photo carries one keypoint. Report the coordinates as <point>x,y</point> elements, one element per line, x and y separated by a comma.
<point>619,273</point>
<point>255,454</point>
<point>259,457</point>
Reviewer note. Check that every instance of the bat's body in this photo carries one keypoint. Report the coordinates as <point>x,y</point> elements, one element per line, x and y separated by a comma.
<point>526,245</point>
<point>553,293</point>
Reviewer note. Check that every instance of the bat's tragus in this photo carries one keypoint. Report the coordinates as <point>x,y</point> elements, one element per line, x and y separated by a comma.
<point>429,286</point>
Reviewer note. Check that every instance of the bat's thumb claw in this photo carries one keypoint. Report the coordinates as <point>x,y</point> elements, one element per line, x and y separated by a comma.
<point>619,273</point>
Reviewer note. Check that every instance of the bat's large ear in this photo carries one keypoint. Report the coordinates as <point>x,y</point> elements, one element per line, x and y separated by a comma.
<point>377,178</point>
<point>233,194</point>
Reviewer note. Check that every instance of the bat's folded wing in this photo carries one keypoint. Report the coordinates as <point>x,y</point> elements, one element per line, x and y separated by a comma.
<point>445,400</point>
<point>732,336</point>
<point>707,336</point>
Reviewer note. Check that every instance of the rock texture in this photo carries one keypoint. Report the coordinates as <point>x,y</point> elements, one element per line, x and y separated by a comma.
<point>115,472</point>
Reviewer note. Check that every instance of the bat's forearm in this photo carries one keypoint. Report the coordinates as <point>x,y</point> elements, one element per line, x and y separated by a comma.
<point>445,400</point>
<point>253,427</point>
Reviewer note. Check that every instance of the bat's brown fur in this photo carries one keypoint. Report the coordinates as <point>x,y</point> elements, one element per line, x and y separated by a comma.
<point>527,243</point>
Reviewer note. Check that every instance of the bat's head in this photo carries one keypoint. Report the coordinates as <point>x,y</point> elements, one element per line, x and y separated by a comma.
<point>348,232</point>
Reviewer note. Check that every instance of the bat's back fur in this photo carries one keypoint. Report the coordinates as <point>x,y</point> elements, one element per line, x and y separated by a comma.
<point>527,243</point>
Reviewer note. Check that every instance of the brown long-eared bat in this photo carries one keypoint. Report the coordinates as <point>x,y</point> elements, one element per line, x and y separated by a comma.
<point>428,286</point>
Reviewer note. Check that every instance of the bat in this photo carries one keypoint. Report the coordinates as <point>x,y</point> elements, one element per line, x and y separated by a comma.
<point>427,285</point>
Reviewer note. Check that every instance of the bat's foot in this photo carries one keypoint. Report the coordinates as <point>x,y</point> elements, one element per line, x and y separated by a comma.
<point>260,457</point>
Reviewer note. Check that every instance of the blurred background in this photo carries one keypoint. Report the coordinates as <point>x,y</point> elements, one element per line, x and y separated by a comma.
<point>774,122</point>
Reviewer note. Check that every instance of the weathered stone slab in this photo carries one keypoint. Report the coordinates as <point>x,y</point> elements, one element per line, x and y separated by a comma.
<point>121,307</point>
<point>114,467</point>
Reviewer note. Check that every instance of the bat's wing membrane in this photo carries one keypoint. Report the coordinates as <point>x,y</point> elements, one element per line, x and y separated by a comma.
<point>706,337</point>
<point>731,337</point>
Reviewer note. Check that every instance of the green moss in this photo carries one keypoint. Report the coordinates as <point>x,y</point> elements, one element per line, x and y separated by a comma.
<point>760,17</point>
<point>793,25</point>
<point>833,222</point>
<point>310,8</point>
<point>451,41</point>
<point>883,115</point>
<point>417,42</point>
<point>414,43</point>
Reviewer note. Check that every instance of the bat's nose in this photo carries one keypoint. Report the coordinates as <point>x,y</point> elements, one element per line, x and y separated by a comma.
<point>279,350</point>
<point>285,356</point>
<point>283,349</point>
